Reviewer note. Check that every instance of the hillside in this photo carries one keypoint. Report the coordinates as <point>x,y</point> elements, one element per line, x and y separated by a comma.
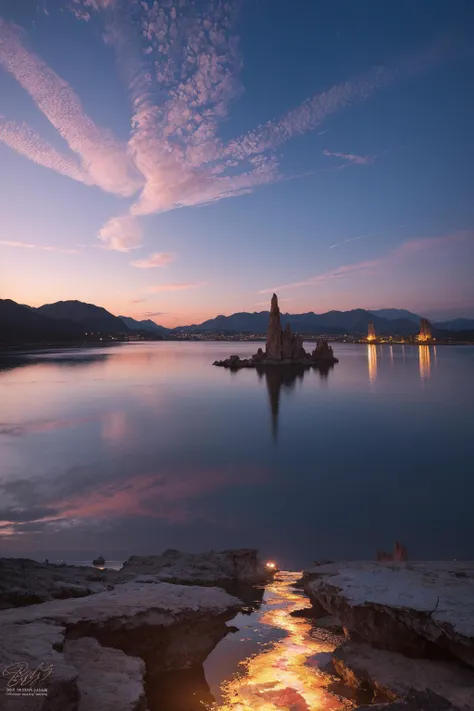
<point>354,322</point>
<point>22,325</point>
<point>145,325</point>
<point>88,316</point>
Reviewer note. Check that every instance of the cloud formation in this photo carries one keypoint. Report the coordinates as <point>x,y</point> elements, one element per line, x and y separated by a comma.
<point>405,250</point>
<point>350,157</point>
<point>103,158</point>
<point>22,139</point>
<point>158,259</point>
<point>122,234</point>
<point>181,70</point>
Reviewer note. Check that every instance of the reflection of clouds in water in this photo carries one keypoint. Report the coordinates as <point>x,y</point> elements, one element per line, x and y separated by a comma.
<point>282,675</point>
<point>170,497</point>
<point>114,426</point>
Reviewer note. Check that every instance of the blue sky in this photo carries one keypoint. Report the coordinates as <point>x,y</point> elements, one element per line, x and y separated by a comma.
<point>183,160</point>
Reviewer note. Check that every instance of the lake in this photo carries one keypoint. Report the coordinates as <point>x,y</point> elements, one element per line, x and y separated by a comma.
<point>136,448</point>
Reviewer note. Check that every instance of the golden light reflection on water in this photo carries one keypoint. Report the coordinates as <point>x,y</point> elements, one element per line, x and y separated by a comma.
<point>284,676</point>
<point>372,361</point>
<point>424,355</point>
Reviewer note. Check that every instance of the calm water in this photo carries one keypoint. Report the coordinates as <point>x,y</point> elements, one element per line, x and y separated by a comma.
<point>137,448</point>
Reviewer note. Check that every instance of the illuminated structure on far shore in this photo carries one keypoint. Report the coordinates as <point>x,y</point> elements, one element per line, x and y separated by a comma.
<point>425,335</point>
<point>371,333</point>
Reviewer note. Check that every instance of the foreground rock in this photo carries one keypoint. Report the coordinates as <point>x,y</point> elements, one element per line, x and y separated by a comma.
<point>283,347</point>
<point>107,679</point>
<point>228,569</point>
<point>36,647</point>
<point>415,701</point>
<point>168,626</point>
<point>418,609</point>
<point>27,582</point>
<point>82,641</point>
<point>395,676</point>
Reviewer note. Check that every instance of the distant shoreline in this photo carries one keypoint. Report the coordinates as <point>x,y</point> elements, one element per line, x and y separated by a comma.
<point>22,349</point>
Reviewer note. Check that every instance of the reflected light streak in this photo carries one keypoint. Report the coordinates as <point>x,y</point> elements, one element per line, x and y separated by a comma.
<point>372,361</point>
<point>424,356</point>
<point>391,355</point>
<point>282,676</point>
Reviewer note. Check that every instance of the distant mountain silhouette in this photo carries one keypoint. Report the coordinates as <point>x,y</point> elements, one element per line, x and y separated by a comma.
<point>145,325</point>
<point>88,316</point>
<point>395,314</point>
<point>353,322</point>
<point>456,324</point>
<point>69,321</point>
<point>22,324</point>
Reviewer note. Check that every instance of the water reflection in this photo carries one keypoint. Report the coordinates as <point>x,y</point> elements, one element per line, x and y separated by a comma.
<point>285,673</point>
<point>372,361</point>
<point>71,359</point>
<point>424,356</point>
<point>284,377</point>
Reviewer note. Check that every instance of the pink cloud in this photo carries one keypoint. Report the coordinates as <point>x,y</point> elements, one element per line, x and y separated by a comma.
<point>181,71</point>
<point>158,259</point>
<point>121,233</point>
<point>43,247</point>
<point>174,287</point>
<point>103,157</point>
<point>22,139</point>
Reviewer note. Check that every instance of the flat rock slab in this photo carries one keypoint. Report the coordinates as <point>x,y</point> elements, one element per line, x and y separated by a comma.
<point>395,676</point>
<point>169,626</point>
<point>108,679</point>
<point>409,607</point>
<point>34,648</point>
<point>221,568</point>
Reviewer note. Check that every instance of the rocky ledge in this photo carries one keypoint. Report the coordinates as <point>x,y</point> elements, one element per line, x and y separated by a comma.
<point>228,569</point>
<point>117,635</point>
<point>410,626</point>
<point>27,582</point>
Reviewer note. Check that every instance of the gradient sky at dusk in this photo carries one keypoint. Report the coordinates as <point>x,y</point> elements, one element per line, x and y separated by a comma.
<point>179,159</point>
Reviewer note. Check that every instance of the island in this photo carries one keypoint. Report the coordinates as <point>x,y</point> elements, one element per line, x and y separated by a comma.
<point>283,348</point>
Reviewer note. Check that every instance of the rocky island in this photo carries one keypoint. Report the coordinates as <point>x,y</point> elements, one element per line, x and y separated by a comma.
<point>283,348</point>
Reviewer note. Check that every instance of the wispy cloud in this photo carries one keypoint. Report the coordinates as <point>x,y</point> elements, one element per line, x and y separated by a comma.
<point>400,253</point>
<point>158,288</point>
<point>181,70</point>
<point>350,239</point>
<point>43,247</point>
<point>121,233</point>
<point>105,160</point>
<point>150,314</point>
<point>158,259</point>
<point>350,157</point>
<point>22,139</point>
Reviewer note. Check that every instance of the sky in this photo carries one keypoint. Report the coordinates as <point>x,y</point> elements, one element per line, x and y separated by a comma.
<point>178,159</point>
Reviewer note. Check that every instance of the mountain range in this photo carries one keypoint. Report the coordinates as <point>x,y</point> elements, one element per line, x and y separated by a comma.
<point>75,321</point>
<point>64,322</point>
<point>354,322</point>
